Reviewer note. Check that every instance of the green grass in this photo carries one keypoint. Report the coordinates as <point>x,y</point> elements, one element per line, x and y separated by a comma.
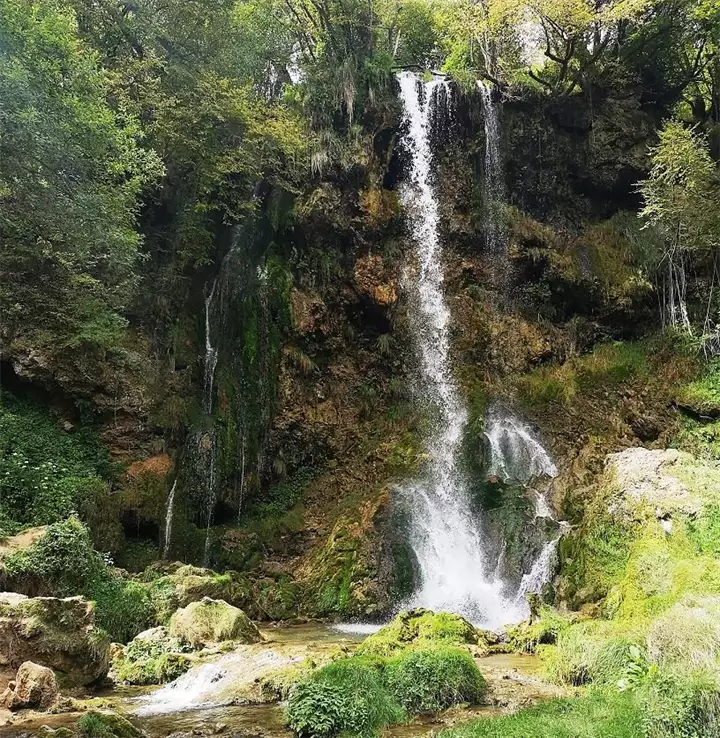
<point>593,715</point>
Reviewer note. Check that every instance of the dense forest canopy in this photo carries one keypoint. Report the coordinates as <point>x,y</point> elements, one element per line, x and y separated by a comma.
<point>131,130</point>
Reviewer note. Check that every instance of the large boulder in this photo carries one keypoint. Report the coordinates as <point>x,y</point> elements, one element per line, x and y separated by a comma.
<point>53,632</point>
<point>212,621</point>
<point>152,657</point>
<point>34,686</point>
<point>663,481</point>
<point>191,583</point>
<point>420,627</point>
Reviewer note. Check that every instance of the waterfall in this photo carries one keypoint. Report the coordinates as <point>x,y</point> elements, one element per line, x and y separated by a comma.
<point>516,454</point>
<point>454,574</point>
<point>206,442</point>
<point>494,180</point>
<point>211,354</point>
<point>169,512</point>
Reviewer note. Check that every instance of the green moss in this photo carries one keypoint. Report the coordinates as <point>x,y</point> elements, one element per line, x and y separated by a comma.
<point>158,670</point>
<point>593,715</point>
<point>212,621</point>
<point>96,724</point>
<point>527,636</point>
<point>419,628</point>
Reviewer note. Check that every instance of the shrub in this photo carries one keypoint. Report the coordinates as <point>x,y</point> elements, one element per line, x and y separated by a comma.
<point>595,652</point>
<point>686,706</point>
<point>60,563</point>
<point>432,679</point>
<point>123,608</point>
<point>347,696</point>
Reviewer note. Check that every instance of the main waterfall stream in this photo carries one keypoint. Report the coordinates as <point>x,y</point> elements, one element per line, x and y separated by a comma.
<point>444,533</point>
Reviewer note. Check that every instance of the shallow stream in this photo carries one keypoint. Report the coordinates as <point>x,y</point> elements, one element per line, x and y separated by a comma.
<point>505,674</point>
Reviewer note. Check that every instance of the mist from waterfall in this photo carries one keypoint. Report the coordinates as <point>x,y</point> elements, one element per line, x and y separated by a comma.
<point>169,515</point>
<point>454,574</point>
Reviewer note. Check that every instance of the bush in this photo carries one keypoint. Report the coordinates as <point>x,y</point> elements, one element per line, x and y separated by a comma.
<point>432,679</point>
<point>45,473</point>
<point>677,706</point>
<point>60,563</point>
<point>347,696</point>
<point>63,563</point>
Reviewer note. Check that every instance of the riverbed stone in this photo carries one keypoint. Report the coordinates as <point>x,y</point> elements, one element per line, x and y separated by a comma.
<point>56,633</point>
<point>212,621</point>
<point>36,685</point>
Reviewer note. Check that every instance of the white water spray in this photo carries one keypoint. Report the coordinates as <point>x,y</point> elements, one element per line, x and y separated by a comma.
<point>454,573</point>
<point>494,182</point>
<point>211,355</point>
<point>516,454</point>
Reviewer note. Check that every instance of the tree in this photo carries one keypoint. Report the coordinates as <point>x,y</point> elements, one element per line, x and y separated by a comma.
<point>680,199</point>
<point>73,169</point>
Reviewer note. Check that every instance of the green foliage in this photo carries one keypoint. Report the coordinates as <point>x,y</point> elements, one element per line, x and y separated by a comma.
<point>427,680</point>
<point>681,706</point>
<point>345,697</point>
<point>527,636</point>
<point>703,394</point>
<point>63,563</point>
<point>72,173</point>
<point>45,473</point>
<point>593,715</point>
<point>419,628</point>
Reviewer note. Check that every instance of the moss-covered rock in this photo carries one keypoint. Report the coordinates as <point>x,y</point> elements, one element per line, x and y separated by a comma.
<point>58,633</point>
<point>105,724</point>
<point>152,657</point>
<point>190,583</point>
<point>212,621</point>
<point>419,628</point>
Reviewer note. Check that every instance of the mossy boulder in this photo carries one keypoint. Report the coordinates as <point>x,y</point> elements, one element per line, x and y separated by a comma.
<point>212,621</point>
<point>152,657</point>
<point>53,632</point>
<point>105,724</point>
<point>420,628</point>
<point>190,583</point>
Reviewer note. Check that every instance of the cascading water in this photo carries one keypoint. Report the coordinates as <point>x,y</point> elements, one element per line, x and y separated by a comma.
<point>206,442</point>
<point>169,514</point>
<point>443,535</point>
<point>516,454</point>
<point>494,181</point>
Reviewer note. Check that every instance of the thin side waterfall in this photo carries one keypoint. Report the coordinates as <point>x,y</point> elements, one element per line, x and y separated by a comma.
<point>169,514</point>
<point>206,440</point>
<point>453,571</point>
<point>516,454</point>
<point>494,181</point>
<point>211,354</point>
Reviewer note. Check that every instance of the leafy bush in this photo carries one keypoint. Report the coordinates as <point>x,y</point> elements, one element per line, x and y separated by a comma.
<point>681,706</point>
<point>432,679</point>
<point>63,563</point>
<point>347,696</point>
<point>45,473</point>
<point>60,563</point>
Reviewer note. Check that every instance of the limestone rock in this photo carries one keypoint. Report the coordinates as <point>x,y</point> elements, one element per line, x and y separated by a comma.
<point>666,481</point>
<point>212,621</point>
<point>53,632</point>
<point>36,685</point>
